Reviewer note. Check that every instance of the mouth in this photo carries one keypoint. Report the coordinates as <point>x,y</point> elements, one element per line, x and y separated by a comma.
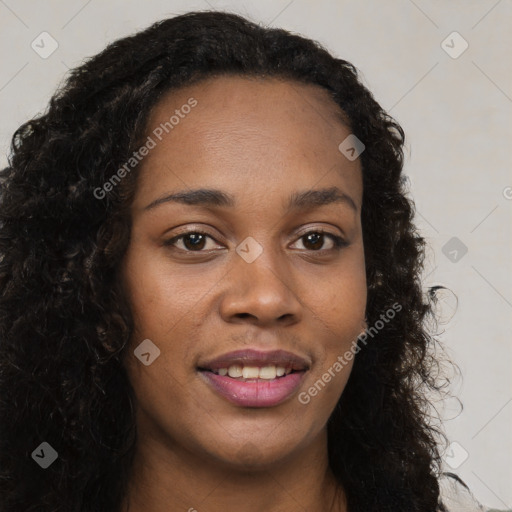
<point>251,378</point>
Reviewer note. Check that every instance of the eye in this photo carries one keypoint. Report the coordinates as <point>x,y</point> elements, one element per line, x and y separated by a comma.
<point>195,241</point>
<point>315,239</point>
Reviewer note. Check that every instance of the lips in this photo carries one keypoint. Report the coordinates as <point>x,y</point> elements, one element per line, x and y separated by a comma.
<point>253,378</point>
<point>251,357</point>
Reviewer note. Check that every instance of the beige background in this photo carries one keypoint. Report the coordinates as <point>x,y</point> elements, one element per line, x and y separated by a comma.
<point>456,113</point>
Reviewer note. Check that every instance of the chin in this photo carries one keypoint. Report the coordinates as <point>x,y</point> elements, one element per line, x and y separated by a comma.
<point>254,454</point>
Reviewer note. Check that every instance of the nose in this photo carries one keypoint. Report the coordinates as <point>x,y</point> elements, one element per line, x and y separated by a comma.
<point>260,293</point>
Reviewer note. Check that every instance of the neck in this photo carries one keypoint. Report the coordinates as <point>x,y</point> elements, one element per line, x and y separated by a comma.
<point>167,478</point>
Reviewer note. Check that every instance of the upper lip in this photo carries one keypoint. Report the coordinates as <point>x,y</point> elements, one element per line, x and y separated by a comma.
<point>255,357</point>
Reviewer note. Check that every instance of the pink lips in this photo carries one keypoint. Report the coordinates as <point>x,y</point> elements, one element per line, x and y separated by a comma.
<point>255,392</point>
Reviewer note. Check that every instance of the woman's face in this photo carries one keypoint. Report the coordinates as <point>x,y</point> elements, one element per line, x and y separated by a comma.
<point>208,277</point>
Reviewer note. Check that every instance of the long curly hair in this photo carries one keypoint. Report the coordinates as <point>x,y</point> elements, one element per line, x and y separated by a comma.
<point>65,322</point>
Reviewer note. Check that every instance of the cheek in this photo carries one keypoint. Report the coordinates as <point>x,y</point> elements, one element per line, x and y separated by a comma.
<point>340,304</point>
<point>160,310</point>
<point>159,294</point>
<point>347,318</point>
<point>340,311</point>
<point>166,305</point>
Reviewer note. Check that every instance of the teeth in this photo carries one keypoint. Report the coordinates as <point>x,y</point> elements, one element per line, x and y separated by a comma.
<point>250,372</point>
<point>268,372</point>
<point>254,372</point>
<point>235,371</point>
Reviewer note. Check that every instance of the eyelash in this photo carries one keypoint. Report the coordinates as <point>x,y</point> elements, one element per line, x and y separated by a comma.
<point>339,243</point>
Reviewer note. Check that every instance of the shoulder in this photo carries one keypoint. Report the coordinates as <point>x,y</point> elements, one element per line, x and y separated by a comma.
<point>455,496</point>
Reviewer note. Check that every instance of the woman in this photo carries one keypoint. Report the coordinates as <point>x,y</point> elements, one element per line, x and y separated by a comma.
<point>210,287</point>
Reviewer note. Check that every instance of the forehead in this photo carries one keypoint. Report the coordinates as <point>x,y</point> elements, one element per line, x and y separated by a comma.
<point>251,136</point>
<point>246,93</point>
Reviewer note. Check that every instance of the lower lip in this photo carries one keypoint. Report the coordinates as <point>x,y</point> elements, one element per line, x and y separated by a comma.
<point>260,393</point>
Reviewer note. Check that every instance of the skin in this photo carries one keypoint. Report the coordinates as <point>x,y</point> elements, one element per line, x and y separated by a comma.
<point>259,140</point>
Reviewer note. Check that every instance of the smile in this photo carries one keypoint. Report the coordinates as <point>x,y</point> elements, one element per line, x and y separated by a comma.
<point>251,378</point>
<point>253,372</point>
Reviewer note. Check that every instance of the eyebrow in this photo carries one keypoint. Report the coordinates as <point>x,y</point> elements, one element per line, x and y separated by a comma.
<point>307,199</point>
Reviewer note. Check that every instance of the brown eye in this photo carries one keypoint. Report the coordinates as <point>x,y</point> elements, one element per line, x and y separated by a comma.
<point>192,242</point>
<point>195,241</point>
<point>314,241</point>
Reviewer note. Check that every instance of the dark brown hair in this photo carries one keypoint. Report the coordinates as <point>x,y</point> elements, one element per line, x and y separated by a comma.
<point>64,322</point>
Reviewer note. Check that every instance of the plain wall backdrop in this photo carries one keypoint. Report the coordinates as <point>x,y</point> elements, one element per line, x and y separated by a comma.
<point>442,69</point>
